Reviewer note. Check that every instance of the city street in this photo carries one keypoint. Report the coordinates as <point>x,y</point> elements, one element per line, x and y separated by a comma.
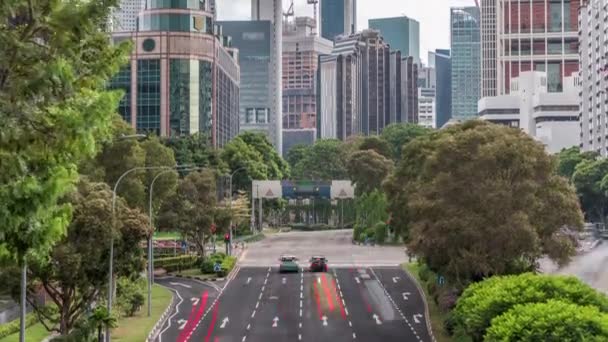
<point>348,303</point>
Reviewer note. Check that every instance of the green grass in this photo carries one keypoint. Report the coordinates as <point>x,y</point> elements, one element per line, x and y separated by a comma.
<point>35,333</point>
<point>437,317</point>
<point>167,236</point>
<point>137,328</point>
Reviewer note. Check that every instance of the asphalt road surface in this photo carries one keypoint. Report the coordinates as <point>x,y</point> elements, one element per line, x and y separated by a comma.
<point>350,302</point>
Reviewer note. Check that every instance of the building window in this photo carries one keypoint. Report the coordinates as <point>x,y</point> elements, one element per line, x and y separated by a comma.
<point>179,93</point>
<point>148,96</point>
<point>122,81</point>
<point>261,115</point>
<point>205,95</point>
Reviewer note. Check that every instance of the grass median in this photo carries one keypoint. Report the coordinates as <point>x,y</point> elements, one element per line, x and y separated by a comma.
<point>437,317</point>
<point>35,333</point>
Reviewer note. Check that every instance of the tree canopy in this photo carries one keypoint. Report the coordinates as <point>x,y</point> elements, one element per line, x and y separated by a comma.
<point>591,182</point>
<point>368,169</point>
<point>481,199</point>
<point>398,135</point>
<point>55,64</point>
<point>326,160</point>
<point>569,158</point>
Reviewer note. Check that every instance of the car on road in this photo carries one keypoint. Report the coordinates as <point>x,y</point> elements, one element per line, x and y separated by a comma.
<point>288,264</point>
<point>318,264</point>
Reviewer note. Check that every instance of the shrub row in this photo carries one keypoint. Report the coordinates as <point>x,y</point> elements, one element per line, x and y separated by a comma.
<point>13,326</point>
<point>311,227</point>
<point>173,264</point>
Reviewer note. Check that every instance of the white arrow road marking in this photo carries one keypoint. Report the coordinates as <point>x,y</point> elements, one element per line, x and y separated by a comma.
<point>417,318</point>
<point>395,279</point>
<point>377,319</point>
<point>405,295</point>
<point>275,322</point>
<point>182,324</point>
<point>195,301</point>
<point>319,280</point>
<point>357,280</point>
<point>224,322</point>
<point>324,318</point>
<point>284,280</point>
<point>248,280</point>
<point>180,284</point>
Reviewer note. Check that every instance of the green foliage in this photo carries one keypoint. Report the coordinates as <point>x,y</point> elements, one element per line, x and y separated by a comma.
<point>196,150</point>
<point>569,158</point>
<point>481,302</point>
<point>479,199</point>
<point>297,153</point>
<point>54,107</point>
<point>368,169</point>
<point>325,160</point>
<point>398,135</point>
<point>380,232</point>
<point>371,209</point>
<point>13,326</point>
<point>130,295</point>
<point>554,320</point>
<point>377,144</point>
<point>177,263</point>
<point>227,264</point>
<point>591,184</point>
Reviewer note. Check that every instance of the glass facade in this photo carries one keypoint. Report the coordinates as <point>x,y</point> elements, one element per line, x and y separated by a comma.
<point>401,33</point>
<point>205,80</point>
<point>466,61</point>
<point>148,96</point>
<point>175,22</point>
<point>179,96</point>
<point>122,81</point>
<point>184,4</point>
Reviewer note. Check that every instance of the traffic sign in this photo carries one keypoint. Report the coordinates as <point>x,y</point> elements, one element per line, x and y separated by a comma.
<point>217,267</point>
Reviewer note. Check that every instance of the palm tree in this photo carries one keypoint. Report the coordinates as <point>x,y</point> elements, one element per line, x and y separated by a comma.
<point>101,319</point>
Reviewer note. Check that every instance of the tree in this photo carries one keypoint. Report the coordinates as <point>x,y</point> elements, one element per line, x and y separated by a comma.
<point>370,209</point>
<point>102,319</point>
<point>327,160</point>
<point>54,106</point>
<point>589,180</point>
<point>482,302</point>
<point>377,144</point>
<point>239,155</point>
<point>485,201</point>
<point>194,149</point>
<point>569,158</point>
<point>297,153</point>
<point>192,209</point>
<point>368,169</point>
<point>399,135</point>
<point>76,272</point>
<point>277,167</point>
<point>554,320</point>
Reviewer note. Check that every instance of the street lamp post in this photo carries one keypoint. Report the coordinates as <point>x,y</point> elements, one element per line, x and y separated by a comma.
<point>230,187</point>
<point>111,267</point>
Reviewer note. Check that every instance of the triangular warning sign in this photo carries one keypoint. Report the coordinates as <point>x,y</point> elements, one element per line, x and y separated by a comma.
<point>269,193</point>
<point>342,193</point>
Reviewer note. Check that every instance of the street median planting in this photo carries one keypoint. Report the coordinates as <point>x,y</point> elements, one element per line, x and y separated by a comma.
<point>13,326</point>
<point>173,264</point>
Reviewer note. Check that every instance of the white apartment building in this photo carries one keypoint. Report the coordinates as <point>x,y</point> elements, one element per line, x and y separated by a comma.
<point>593,50</point>
<point>549,117</point>
<point>427,97</point>
<point>124,17</point>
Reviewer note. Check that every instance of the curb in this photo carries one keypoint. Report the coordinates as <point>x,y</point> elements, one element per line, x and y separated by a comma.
<point>429,327</point>
<point>163,318</point>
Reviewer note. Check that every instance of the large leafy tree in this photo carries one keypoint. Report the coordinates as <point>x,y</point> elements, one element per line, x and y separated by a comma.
<point>485,201</point>
<point>377,144</point>
<point>554,320</point>
<point>194,150</point>
<point>75,273</point>
<point>398,135</point>
<point>368,169</point>
<point>326,160</point>
<point>482,302</point>
<point>591,182</point>
<point>569,158</point>
<point>296,154</point>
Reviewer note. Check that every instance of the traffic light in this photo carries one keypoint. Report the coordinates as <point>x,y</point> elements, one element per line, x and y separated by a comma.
<point>227,237</point>
<point>213,228</point>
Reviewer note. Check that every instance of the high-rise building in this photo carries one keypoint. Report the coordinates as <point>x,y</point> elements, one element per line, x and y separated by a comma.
<point>519,36</point>
<point>254,40</point>
<point>338,17</point>
<point>272,10</point>
<point>401,33</point>
<point>124,16</point>
<point>357,83</point>
<point>466,63</point>
<point>593,51</point>
<point>183,77</point>
<point>427,92</point>
<point>549,117</point>
<point>301,50</point>
<point>442,62</point>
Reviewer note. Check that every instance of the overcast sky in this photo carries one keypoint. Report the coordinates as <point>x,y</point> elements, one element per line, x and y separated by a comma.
<point>433,15</point>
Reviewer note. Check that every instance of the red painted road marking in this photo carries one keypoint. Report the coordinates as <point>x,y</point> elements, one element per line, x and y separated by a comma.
<point>317,299</point>
<point>330,301</point>
<point>192,321</point>
<point>212,325</point>
<point>339,299</point>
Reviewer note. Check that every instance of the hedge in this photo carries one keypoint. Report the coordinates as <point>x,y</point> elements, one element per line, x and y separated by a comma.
<point>173,264</point>
<point>13,326</point>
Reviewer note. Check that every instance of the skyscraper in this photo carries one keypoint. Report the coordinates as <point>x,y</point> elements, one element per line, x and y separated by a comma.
<point>409,95</point>
<point>442,62</point>
<point>427,91</point>
<point>337,17</point>
<point>466,64</point>
<point>520,36</point>
<point>594,77</point>
<point>401,33</point>
<point>124,17</point>
<point>183,77</point>
<point>272,10</point>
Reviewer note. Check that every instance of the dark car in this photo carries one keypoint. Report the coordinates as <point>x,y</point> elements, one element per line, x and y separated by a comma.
<point>318,264</point>
<point>288,264</point>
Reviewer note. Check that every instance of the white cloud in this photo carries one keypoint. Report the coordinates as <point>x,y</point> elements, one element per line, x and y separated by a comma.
<point>433,15</point>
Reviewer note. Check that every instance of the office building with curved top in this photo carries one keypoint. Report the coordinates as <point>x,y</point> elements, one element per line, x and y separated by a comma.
<point>183,77</point>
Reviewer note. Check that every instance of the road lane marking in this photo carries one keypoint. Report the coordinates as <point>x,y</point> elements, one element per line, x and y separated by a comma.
<point>260,297</point>
<point>318,280</point>
<point>357,280</point>
<point>248,280</point>
<point>299,337</point>
<point>405,295</point>
<point>244,338</point>
<point>182,324</point>
<point>346,310</point>
<point>300,312</point>
<point>253,314</point>
<point>284,280</point>
<point>248,326</point>
<point>194,301</point>
<point>354,336</point>
<point>416,318</point>
<point>171,317</point>
<point>182,285</point>
<point>395,279</point>
<point>324,319</point>
<point>300,303</point>
<point>300,325</point>
<point>275,322</point>
<point>257,304</point>
<point>350,324</point>
<point>377,319</point>
<point>224,322</point>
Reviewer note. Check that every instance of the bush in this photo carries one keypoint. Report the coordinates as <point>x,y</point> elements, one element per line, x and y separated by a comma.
<point>380,232</point>
<point>481,302</point>
<point>178,263</point>
<point>130,295</point>
<point>208,265</point>
<point>13,326</point>
<point>550,321</point>
<point>227,265</point>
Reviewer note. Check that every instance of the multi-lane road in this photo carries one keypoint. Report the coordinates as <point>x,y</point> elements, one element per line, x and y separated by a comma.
<point>354,301</point>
